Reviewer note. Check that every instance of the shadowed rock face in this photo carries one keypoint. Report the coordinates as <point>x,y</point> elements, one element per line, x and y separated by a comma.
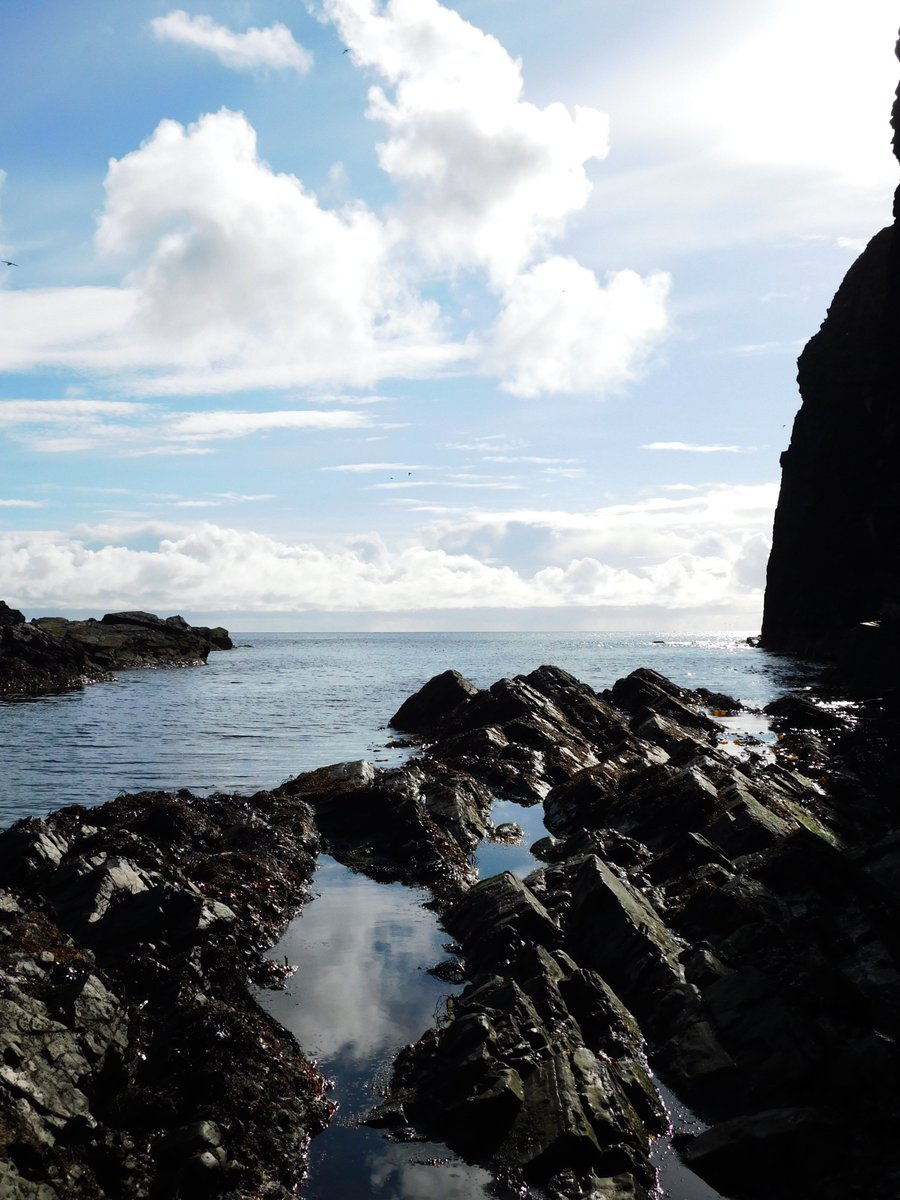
<point>835,557</point>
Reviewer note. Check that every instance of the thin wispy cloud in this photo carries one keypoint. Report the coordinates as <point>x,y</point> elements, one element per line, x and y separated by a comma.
<point>368,468</point>
<point>490,441</point>
<point>137,430</point>
<point>273,47</point>
<point>241,499</point>
<point>201,426</point>
<point>163,451</point>
<point>697,448</point>
<point>490,485</point>
<point>526,458</point>
<point>794,346</point>
<point>22,412</point>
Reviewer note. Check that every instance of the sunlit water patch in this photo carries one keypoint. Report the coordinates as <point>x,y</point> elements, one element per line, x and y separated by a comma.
<point>676,1180</point>
<point>279,704</point>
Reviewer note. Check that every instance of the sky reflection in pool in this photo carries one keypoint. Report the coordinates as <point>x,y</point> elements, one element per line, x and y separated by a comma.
<point>493,857</point>
<point>361,992</point>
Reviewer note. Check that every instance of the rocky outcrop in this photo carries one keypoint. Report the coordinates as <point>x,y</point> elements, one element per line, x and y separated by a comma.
<point>835,560</point>
<point>719,912</point>
<point>133,1059</point>
<point>119,641</point>
<point>53,654</point>
<point>417,824</point>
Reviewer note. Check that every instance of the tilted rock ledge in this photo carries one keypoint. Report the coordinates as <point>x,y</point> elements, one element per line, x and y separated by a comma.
<point>724,915</point>
<point>53,654</point>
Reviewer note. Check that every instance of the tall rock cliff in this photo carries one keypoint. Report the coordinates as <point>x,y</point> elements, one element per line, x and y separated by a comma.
<point>835,560</point>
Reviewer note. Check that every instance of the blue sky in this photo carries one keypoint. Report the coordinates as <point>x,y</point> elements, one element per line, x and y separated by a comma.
<point>407,316</point>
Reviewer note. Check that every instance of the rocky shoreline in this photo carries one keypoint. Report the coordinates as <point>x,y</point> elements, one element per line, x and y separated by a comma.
<point>724,914</point>
<point>723,917</point>
<point>49,655</point>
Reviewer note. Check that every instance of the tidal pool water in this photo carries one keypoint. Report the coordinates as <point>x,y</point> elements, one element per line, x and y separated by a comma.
<point>361,991</point>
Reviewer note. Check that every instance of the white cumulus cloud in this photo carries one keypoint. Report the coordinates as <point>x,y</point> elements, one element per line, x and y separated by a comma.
<point>561,331</point>
<point>234,276</point>
<point>238,265</point>
<point>487,178</point>
<point>701,554</point>
<point>273,46</point>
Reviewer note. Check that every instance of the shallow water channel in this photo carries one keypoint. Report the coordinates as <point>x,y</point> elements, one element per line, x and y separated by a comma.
<point>360,992</point>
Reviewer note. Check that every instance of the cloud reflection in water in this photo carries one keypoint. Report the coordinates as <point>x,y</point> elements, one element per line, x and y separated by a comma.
<point>362,948</point>
<point>362,992</point>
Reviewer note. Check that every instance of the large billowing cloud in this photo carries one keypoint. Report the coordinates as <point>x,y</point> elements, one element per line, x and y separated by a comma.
<point>237,264</point>
<point>271,47</point>
<point>487,178</point>
<point>560,331</point>
<point>235,276</point>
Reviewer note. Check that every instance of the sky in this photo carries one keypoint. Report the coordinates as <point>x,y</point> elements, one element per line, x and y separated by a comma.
<point>401,315</point>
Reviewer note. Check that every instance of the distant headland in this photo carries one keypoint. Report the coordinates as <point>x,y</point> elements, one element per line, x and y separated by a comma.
<point>52,654</point>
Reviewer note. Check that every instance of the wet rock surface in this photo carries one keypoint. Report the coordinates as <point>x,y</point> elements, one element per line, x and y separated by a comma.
<point>133,1059</point>
<point>52,654</point>
<point>723,914</point>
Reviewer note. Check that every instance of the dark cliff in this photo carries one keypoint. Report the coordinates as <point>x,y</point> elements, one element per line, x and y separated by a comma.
<point>835,560</point>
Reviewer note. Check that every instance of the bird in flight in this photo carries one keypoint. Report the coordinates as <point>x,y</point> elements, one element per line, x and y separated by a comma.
<point>7,263</point>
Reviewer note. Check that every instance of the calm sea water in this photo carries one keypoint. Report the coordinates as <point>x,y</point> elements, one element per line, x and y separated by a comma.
<point>283,703</point>
<point>279,704</point>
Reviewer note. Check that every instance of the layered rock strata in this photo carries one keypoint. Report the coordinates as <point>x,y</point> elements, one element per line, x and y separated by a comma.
<point>834,570</point>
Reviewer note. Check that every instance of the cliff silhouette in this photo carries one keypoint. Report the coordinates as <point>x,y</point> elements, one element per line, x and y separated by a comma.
<point>833,585</point>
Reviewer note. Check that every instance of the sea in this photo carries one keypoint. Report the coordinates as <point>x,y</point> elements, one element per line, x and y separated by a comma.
<point>280,704</point>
